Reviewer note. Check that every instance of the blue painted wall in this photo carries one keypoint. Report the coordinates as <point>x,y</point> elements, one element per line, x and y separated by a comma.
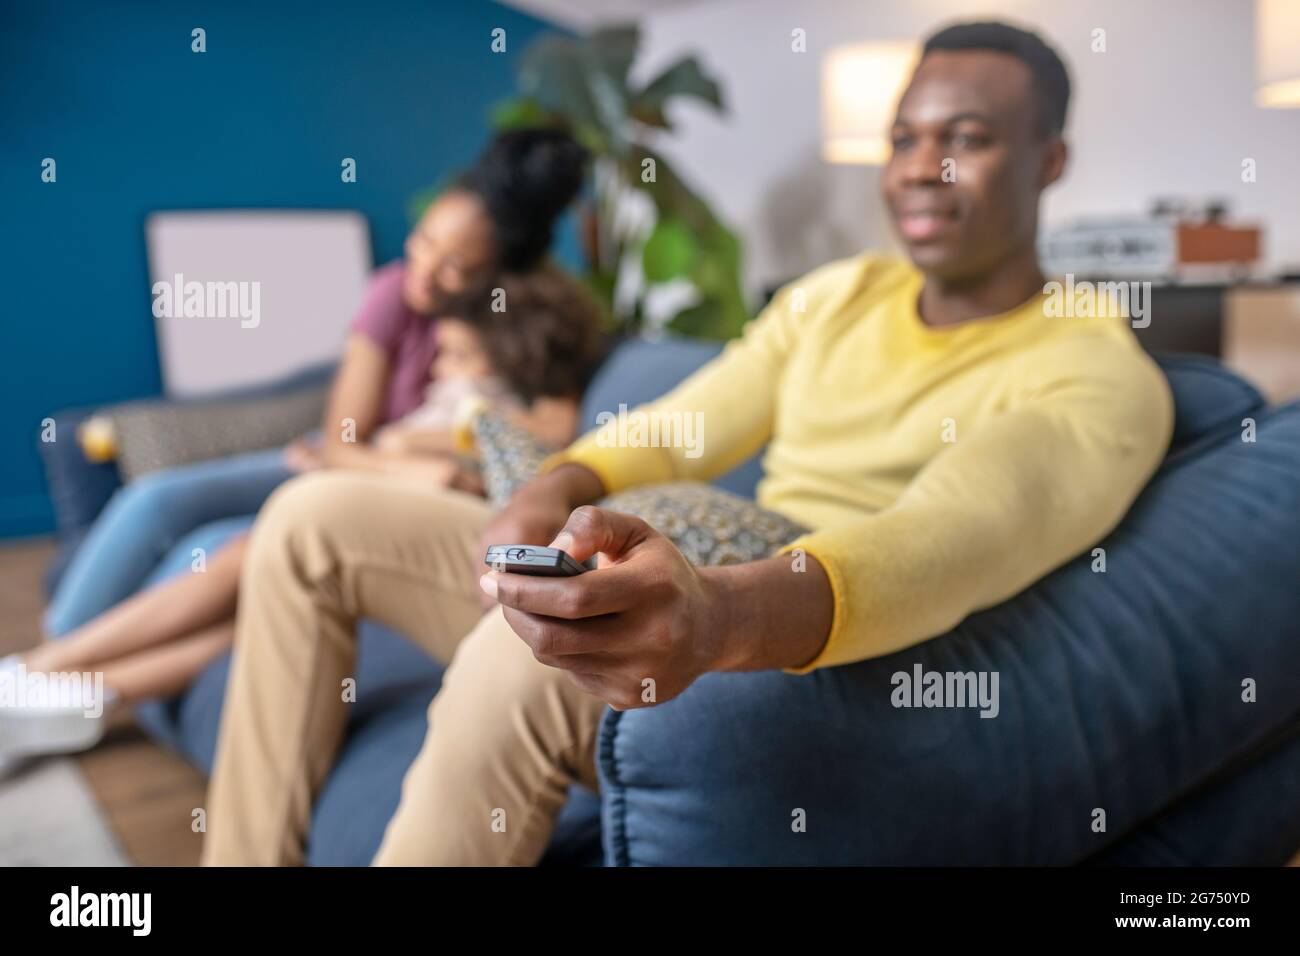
<point>137,122</point>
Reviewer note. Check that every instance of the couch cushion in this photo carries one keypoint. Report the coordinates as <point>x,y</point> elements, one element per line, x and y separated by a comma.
<point>1207,397</point>
<point>1119,691</point>
<point>1245,815</point>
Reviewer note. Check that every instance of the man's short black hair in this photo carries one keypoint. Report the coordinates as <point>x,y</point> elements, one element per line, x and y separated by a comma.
<point>1050,80</point>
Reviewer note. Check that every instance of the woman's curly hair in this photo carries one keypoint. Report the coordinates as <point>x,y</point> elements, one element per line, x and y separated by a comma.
<point>525,178</point>
<point>543,332</point>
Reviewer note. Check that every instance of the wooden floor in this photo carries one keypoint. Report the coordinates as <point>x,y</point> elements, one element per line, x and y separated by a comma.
<point>148,793</point>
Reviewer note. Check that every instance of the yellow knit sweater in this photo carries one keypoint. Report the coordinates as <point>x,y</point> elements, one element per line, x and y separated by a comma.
<point>943,470</point>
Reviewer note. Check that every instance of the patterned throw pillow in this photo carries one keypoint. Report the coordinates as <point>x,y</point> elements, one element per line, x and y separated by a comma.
<point>158,434</point>
<point>510,456</point>
<point>708,525</point>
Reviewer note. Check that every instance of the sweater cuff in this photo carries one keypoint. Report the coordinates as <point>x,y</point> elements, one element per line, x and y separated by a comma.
<point>826,656</point>
<point>616,467</point>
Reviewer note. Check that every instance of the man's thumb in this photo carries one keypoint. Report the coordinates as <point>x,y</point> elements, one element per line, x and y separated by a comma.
<point>590,530</point>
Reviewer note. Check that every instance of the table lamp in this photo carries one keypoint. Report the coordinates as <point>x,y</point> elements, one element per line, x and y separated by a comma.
<point>861,85</point>
<point>1277,52</point>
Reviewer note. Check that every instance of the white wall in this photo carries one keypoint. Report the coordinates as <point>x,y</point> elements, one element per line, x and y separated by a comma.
<point>1166,110</point>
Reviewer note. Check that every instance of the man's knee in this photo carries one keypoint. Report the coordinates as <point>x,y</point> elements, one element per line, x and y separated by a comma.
<point>502,703</point>
<point>295,519</point>
<point>492,648</point>
<point>494,671</point>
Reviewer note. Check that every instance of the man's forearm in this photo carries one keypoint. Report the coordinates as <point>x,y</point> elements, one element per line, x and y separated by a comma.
<point>772,615</point>
<point>574,484</point>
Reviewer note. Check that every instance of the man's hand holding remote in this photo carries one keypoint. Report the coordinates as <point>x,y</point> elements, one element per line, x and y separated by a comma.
<point>646,624</point>
<point>538,510</point>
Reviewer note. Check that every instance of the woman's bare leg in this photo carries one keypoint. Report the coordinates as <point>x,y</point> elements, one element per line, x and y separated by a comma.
<point>167,670</point>
<point>163,613</point>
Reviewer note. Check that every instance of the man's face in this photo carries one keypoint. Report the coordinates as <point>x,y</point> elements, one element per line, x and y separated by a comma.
<point>969,163</point>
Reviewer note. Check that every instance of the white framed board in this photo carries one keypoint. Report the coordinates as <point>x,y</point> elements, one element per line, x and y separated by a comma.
<point>244,297</point>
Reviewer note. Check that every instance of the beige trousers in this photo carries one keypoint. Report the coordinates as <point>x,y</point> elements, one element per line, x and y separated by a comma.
<point>506,735</point>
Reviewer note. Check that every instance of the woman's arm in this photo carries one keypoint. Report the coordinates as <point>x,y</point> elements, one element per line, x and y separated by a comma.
<point>400,442</point>
<point>355,408</point>
<point>554,421</point>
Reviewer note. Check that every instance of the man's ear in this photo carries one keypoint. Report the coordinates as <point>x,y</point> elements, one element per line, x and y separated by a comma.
<point>1055,157</point>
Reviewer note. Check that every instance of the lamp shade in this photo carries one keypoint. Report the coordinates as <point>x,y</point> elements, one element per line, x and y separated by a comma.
<point>1277,52</point>
<point>861,85</point>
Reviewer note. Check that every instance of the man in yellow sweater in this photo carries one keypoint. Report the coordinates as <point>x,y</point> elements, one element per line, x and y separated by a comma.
<point>946,438</point>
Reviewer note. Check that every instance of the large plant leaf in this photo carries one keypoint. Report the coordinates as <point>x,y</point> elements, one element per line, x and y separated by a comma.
<point>666,189</point>
<point>553,71</point>
<point>716,274</point>
<point>608,54</point>
<point>609,97</point>
<point>582,85</point>
<point>585,80</point>
<point>601,284</point>
<point>612,50</point>
<point>669,252</point>
<point>701,321</point>
<point>715,265</point>
<point>684,78</point>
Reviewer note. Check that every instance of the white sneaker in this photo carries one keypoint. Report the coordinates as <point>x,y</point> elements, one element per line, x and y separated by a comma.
<point>35,727</point>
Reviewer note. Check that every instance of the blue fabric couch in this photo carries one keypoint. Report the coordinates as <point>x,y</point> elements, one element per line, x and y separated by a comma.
<point>1119,691</point>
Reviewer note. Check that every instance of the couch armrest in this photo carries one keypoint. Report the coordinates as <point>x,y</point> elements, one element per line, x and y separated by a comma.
<point>154,436</point>
<point>80,488</point>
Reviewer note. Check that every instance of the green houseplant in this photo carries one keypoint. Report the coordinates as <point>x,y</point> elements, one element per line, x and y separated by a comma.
<point>644,228</point>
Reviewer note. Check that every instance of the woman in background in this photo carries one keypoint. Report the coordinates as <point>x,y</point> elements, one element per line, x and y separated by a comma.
<point>529,363</point>
<point>499,216</point>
